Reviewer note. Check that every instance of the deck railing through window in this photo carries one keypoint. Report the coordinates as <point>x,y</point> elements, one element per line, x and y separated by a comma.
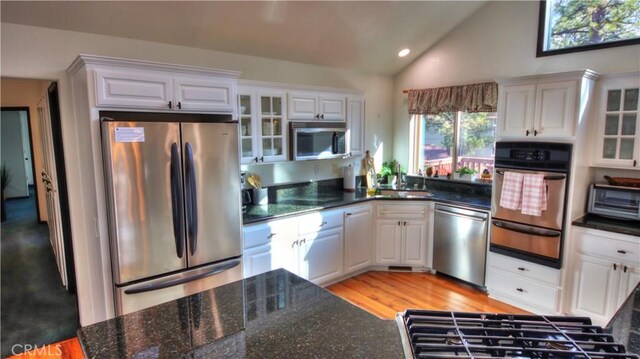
<point>444,165</point>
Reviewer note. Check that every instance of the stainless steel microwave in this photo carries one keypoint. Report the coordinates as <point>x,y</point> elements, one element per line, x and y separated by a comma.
<point>615,201</point>
<point>313,140</point>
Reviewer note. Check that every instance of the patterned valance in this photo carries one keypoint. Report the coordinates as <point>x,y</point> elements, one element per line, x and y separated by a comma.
<point>470,98</point>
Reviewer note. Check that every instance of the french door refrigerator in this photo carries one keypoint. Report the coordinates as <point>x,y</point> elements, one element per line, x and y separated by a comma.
<point>173,196</point>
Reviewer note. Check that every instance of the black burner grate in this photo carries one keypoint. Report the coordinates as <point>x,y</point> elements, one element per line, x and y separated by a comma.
<point>434,334</point>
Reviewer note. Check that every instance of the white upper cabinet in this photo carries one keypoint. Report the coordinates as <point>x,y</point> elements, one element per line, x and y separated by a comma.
<point>555,107</point>
<point>134,89</point>
<point>543,106</point>
<point>618,122</point>
<point>310,106</point>
<point>355,125</point>
<point>151,86</point>
<point>209,95</point>
<point>263,126</point>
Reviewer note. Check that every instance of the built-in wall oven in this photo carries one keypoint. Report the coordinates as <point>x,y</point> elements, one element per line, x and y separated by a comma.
<point>538,239</point>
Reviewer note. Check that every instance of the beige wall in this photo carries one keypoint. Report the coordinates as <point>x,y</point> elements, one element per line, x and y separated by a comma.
<point>497,41</point>
<point>32,52</point>
<point>19,93</point>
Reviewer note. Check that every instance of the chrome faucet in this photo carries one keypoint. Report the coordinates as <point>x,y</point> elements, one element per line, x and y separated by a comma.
<point>399,182</point>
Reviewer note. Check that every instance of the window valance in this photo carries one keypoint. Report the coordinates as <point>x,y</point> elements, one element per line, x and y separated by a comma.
<point>482,97</point>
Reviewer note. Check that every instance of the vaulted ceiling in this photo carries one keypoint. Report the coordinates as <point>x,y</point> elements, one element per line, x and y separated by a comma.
<point>359,35</point>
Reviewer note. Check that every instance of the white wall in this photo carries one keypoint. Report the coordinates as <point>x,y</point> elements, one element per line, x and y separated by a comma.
<point>26,93</point>
<point>497,41</point>
<point>32,52</point>
<point>12,156</point>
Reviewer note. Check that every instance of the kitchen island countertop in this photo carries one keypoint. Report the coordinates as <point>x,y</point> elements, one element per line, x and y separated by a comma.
<point>272,315</point>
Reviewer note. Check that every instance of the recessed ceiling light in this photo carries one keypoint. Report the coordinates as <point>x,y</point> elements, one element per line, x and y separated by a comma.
<point>404,52</point>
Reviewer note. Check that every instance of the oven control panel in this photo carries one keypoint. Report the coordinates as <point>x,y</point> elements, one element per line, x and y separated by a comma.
<point>530,155</point>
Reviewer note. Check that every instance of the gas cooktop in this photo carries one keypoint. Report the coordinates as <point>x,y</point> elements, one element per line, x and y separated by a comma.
<point>435,334</point>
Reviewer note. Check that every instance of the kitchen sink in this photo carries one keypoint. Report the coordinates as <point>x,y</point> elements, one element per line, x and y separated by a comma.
<point>405,194</point>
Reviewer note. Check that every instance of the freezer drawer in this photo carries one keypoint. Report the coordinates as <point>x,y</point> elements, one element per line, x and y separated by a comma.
<point>143,295</point>
<point>460,243</point>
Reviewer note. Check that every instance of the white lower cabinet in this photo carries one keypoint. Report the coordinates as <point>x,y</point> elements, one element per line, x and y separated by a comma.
<point>358,245</point>
<point>310,246</point>
<point>524,284</point>
<point>401,234</point>
<point>605,269</point>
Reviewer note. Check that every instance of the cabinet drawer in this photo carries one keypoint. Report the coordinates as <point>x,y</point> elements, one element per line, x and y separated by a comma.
<point>525,269</point>
<point>401,211</point>
<point>315,222</point>
<point>264,233</point>
<point>615,249</point>
<point>523,289</point>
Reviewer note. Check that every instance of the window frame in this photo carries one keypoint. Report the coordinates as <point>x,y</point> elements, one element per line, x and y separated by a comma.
<point>414,141</point>
<point>542,30</point>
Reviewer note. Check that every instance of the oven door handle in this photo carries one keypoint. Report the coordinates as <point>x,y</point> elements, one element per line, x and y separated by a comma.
<point>532,231</point>
<point>547,178</point>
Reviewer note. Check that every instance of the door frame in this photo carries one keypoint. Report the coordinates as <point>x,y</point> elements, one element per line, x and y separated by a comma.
<point>63,193</point>
<point>33,162</point>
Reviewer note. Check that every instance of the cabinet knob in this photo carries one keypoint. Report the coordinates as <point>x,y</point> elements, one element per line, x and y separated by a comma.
<point>535,132</point>
<point>624,269</point>
<point>170,105</point>
<point>303,240</point>
<point>256,159</point>
<point>348,213</point>
<point>527,133</point>
<point>317,116</point>
<point>179,105</point>
<point>295,243</point>
<point>271,235</point>
<point>615,266</point>
<point>405,223</point>
<point>322,116</point>
<point>261,159</point>
<point>635,162</point>
<point>398,222</point>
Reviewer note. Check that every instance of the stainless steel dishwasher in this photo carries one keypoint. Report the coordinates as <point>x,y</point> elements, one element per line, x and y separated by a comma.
<point>460,242</point>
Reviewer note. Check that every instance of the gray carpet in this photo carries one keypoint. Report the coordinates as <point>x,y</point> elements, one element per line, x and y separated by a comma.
<point>36,309</point>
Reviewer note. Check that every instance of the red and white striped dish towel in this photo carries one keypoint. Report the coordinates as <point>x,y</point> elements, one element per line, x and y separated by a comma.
<point>534,194</point>
<point>511,195</point>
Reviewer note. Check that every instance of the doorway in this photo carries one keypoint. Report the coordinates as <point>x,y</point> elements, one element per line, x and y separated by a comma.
<point>39,305</point>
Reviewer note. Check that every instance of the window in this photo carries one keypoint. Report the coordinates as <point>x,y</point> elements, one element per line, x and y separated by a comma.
<point>451,140</point>
<point>579,25</point>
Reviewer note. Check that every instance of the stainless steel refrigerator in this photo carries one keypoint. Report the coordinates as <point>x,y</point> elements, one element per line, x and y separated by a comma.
<point>173,196</point>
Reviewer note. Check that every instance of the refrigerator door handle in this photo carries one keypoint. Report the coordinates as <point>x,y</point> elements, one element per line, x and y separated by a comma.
<point>170,283</point>
<point>192,200</point>
<point>177,201</point>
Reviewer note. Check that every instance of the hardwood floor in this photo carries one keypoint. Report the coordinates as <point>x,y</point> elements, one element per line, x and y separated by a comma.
<point>380,293</point>
<point>386,293</point>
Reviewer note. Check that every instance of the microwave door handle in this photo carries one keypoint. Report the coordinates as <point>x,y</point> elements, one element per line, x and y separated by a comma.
<point>520,229</point>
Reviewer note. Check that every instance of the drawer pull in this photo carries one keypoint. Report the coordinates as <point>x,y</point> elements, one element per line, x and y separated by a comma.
<point>522,268</point>
<point>622,251</point>
<point>348,213</point>
<point>271,235</point>
<point>323,223</point>
<point>520,290</point>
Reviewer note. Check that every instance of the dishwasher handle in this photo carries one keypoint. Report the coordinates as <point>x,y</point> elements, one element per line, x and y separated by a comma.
<point>473,218</point>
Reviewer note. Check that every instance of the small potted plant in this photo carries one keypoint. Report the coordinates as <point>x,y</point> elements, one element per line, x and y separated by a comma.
<point>466,173</point>
<point>388,170</point>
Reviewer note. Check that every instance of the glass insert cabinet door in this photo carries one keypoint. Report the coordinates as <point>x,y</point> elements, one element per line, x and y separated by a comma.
<point>619,130</point>
<point>248,150</point>
<point>272,130</point>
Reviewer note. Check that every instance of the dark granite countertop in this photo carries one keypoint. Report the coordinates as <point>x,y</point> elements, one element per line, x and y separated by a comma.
<point>332,199</point>
<point>625,324</point>
<point>608,224</point>
<point>273,315</point>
